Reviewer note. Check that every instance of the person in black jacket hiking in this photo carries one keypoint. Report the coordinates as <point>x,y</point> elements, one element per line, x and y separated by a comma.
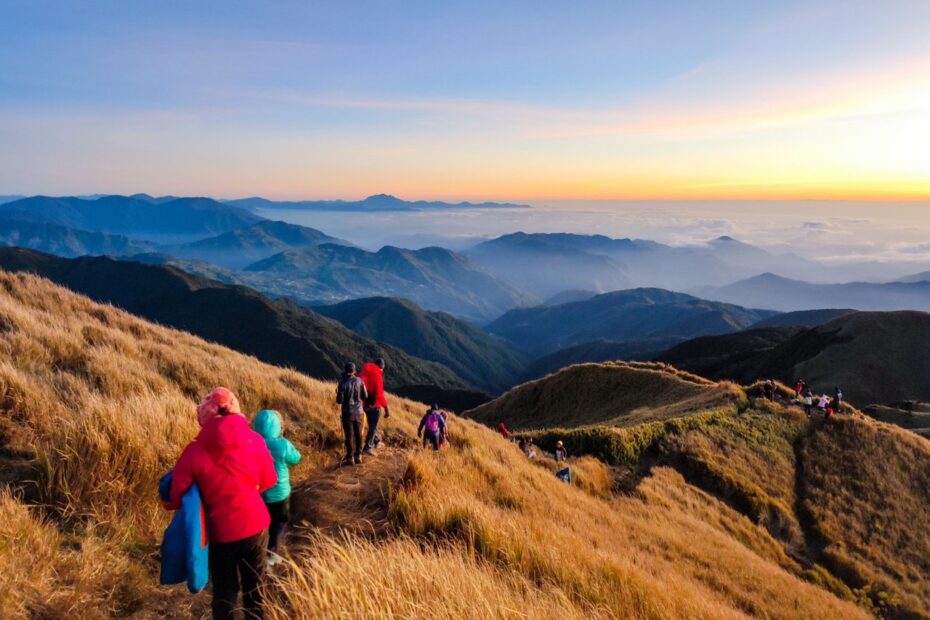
<point>351,394</point>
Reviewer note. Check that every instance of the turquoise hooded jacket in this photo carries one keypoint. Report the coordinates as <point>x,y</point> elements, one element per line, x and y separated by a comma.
<point>268,424</point>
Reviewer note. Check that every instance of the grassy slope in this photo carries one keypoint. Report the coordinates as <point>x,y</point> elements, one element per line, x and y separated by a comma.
<point>613,394</point>
<point>86,388</point>
<point>847,499</point>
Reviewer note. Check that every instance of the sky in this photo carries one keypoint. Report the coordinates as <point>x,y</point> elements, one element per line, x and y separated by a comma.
<point>537,100</point>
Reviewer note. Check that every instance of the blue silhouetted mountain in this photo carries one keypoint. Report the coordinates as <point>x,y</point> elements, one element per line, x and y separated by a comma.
<point>434,278</point>
<point>64,241</point>
<point>240,248</point>
<point>769,290</point>
<point>378,202</point>
<point>636,314</point>
<point>177,218</point>
<point>546,264</point>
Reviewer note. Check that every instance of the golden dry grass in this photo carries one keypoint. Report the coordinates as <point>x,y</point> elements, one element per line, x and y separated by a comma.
<point>867,491</point>
<point>610,393</point>
<point>104,403</point>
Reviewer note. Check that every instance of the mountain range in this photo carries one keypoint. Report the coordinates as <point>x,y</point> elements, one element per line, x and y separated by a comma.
<point>435,278</point>
<point>229,243</point>
<point>239,248</point>
<point>636,314</point>
<point>378,202</point>
<point>275,331</point>
<point>875,357</point>
<point>176,218</point>
<point>480,359</point>
<point>778,293</point>
<point>547,264</point>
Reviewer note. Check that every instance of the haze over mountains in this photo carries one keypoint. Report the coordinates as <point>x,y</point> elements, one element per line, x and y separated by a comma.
<point>548,264</point>
<point>637,314</point>
<point>477,313</point>
<point>778,293</point>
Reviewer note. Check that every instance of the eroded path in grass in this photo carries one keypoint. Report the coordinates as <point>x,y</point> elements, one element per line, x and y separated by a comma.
<point>349,498</point>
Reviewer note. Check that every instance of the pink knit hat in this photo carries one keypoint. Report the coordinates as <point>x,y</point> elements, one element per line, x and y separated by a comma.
<point>220,401</point>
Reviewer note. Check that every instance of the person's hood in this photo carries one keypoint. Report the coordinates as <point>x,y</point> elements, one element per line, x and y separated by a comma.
<point>224,434</point>
<point>372,368</point>
<point>267,424</point>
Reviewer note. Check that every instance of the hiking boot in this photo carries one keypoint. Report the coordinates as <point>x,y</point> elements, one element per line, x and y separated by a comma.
<point>358,459</point>
<point>346,461</point>
<point>368,452</point>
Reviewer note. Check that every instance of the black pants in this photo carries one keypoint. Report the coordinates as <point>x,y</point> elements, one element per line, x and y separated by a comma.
<point>280,513</point>
<point>352,429</point>
<point>234,566</point>
<point>373,416</point>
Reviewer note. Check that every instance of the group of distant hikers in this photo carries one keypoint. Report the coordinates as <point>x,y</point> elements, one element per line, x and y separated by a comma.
<point>231,488</point>
<point>363,392</point>
<point>803,395</point>
<point>527,445</point>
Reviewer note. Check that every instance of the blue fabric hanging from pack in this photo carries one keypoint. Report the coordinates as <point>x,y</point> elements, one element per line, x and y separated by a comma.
<point>184,549</point>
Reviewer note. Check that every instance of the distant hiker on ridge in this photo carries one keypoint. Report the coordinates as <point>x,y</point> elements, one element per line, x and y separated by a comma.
<point>351,394</point>
<point>372,376</point>
<point>561,454</point>
<point>799,388</point>
<point>267,423</point>
<point>837,399</point>
<point>231,466</point>
<point>768,390</point>
<point>502,428</point>
<point>808,401</point>
<point>431,427</point>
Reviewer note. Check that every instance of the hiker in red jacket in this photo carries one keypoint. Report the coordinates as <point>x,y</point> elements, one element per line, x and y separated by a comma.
<point>372,376</point>
<point>231,466</point>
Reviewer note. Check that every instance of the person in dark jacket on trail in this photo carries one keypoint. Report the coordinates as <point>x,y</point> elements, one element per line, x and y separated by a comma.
<point>231,465</point>
<point>431,428</point>
<point>351,394</point>
<point>372,376</point>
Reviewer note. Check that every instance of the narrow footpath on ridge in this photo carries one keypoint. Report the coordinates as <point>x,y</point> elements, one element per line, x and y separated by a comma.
<point>353,498</point>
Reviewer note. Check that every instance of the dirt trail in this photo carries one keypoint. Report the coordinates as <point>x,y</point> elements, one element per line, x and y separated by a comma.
<point>353,498</point>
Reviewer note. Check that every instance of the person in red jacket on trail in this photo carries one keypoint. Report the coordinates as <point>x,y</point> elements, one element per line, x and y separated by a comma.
<point>231,466</point>
<point>372,376</point>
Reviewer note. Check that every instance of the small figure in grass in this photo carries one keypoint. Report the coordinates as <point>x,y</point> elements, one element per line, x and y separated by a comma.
<point>808,401</point>
<point>431,427</point>
<point>561,454</point>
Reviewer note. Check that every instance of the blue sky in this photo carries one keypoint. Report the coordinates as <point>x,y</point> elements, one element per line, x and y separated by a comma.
<point>466,100</point>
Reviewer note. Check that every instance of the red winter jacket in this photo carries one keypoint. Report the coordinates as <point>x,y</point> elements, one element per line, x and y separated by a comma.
<point>373,378</point>
<point>231,466</point>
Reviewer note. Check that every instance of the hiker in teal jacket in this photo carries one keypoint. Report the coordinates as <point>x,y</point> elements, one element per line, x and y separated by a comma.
<point>268,424</point>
